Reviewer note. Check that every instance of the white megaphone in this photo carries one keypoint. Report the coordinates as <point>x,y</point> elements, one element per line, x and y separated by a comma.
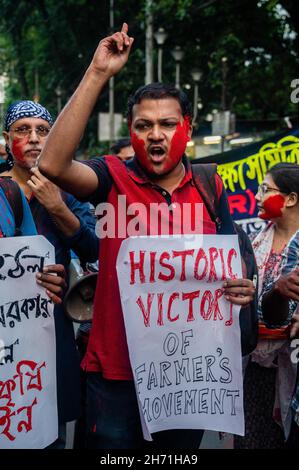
<point>78,301</point>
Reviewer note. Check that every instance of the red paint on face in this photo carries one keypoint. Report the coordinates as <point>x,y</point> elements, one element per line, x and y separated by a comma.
<point>272,207</point>
<point>18,148</point>
<point>179,141</point>
<point>176,150</point>
<point>139,149</point>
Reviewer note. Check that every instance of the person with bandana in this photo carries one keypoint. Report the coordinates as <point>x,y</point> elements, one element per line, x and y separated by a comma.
<point>67,223</point>
<point>159,118</point>
<point>270,375</point>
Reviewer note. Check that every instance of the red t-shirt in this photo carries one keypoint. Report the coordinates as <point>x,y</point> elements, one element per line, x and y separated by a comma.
<point>107,350</point>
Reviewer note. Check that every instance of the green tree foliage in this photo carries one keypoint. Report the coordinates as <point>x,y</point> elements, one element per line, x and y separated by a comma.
<point>45,44</point>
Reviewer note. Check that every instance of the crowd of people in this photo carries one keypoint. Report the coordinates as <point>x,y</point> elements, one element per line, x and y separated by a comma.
<point>150,167</point>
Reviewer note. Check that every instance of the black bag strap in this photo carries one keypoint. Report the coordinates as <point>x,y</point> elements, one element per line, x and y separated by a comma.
<point>12,192</point>
<point>204,180</point>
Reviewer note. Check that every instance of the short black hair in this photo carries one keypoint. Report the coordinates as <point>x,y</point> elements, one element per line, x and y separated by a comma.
<point>286,177</point>
<point>120,144</point>
<point>159,91</point>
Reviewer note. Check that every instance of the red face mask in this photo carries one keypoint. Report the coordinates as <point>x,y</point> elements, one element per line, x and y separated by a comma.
<point>272,207</point>
<point>176,150</point>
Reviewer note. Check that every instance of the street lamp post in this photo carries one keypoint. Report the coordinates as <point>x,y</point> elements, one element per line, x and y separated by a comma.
<point>148,41</point>
<point>111,83</point>
<point>196,76</point>
<point>36,87</point>
<point>224,69</point>
<point>58,91</point>
<point>178,55</point>
<point>160,37</point>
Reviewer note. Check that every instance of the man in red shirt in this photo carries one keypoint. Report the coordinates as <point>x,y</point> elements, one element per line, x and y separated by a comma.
<point>159,118</point>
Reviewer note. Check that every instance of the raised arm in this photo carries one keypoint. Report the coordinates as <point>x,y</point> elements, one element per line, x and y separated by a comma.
<point>56,160</point>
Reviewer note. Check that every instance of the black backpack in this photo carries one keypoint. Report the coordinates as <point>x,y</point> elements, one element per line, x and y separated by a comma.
<point>204,180</point>
<point>13,194</point>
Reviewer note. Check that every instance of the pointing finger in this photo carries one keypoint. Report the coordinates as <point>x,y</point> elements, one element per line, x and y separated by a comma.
<point>125,28</point>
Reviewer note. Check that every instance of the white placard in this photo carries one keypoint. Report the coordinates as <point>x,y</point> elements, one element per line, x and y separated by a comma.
<point>28,402</point>
<point>183,335</point>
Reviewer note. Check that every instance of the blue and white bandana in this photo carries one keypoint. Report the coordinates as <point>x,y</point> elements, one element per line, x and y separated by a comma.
<point>22,109</point>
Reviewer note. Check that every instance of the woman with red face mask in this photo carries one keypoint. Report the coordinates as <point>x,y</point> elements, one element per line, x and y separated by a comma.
<point>270,376</point>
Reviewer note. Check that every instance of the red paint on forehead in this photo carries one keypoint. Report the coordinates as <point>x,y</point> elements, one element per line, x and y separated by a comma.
<point>272,207</point>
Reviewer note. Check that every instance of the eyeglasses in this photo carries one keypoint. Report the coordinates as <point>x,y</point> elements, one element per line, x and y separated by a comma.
<point>24,131</point>
<point>263,189</point>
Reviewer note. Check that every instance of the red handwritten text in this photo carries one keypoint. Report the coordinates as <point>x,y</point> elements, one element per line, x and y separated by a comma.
<point>15,420</point>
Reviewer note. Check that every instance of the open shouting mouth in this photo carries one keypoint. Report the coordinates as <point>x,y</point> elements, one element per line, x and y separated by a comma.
<point>157,153</point>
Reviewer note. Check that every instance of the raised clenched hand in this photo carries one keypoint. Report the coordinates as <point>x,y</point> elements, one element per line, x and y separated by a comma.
<point>112,52</point>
